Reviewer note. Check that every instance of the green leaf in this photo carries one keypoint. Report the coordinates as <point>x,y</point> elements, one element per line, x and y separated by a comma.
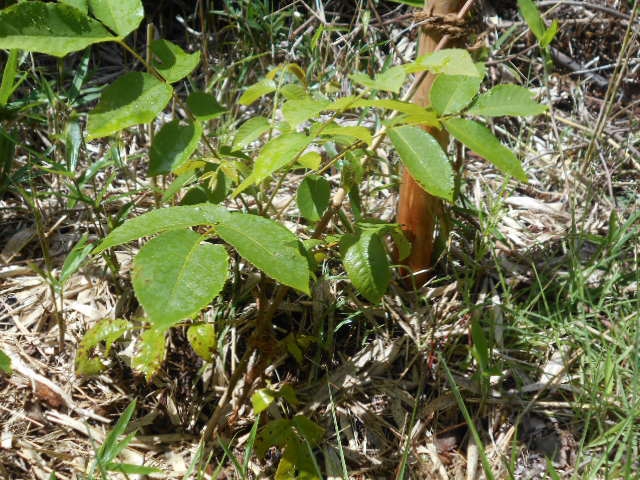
<point>107,331</point>
<point>415,113</point>
<point>204,106</point>
<point>250,131</point>
<point>390,80</point>
<point>150,353</point>
<point>451,61</point>
<point>480,349</point>
<point>293,91</point>
<point>311,160</point>
<point>172,146</point>
<point>550,34</point>
<point>366,262</point>
<point>257,90</point>
<point>261,400</point>
<point>309,429</point>
<point>121,16</point>
<point>131,469</point>
<point>480,139</point>
<point>5,363</point>
<point>202,337</point>
<point>532,16</point>
<point>278,153</point>
<point>423,156</point>
<point>269,246</point>
<point>451,93</point>
<point>314,194</point>
<point>82,5</point>
<point>299,111</point>
<point>111,447</point>
<point>51,28</point>
<point>163,219</point>
<point>507,100</point>
<point>263,242</point>
<point>175,275</point>
<point>171,61</point>
<point>73,142</point>
<point>75,259</point>
<point>132,99</point>
<point>361,133</point>
<point>276,433</point>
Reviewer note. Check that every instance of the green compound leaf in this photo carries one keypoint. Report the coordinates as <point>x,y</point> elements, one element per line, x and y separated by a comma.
<point>175,275</point>
<point>299,111</point>
<point>132,99</point>
<point>451,61</point>
<point>278,153</point>
<point>5,363</point>
<point>507,100</point>
<point>366,262</point>
<point>204,106</point>
<point>314,194</point>
<point>251,130</point>
<point>480,139</point>
<point>390,80</point>
<point>150,353</point>
<point>451,93</point>
<point>172,62</point>
<point>52,28</point>
<point>172,146</point>
<point>269,246</point>
<point>358,132</point>
<point>121,16</point>
<point>414,113</point>
<point>107,331</point>
<point>202,337</point>
<point>423,156</point>
<point>261,400</point>
<point>263,242</point>
<point>161,220</point>
<point>256,91</point>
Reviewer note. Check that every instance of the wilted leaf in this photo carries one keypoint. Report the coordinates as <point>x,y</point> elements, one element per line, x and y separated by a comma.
<point>150,354</point>
<point>107,331</point>
<point>202,337</point>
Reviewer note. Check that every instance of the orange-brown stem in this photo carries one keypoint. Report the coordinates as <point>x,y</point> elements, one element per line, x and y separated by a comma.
<point>417,210</point>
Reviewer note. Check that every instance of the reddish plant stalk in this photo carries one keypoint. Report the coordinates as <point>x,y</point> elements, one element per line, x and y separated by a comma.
<point>417,210</point>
